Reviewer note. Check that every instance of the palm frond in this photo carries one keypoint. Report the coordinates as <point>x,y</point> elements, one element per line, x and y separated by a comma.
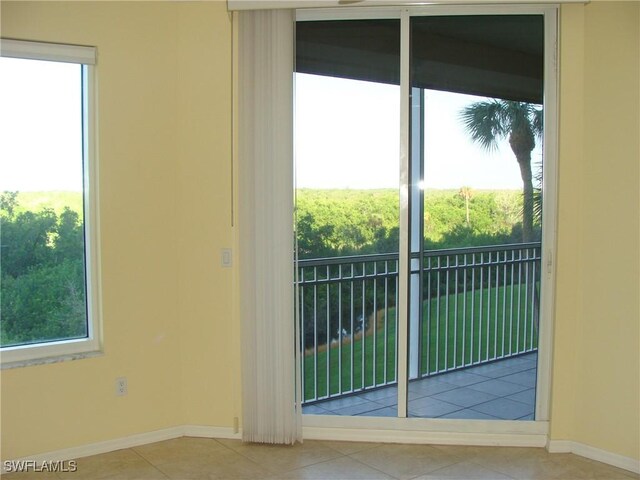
<point>537,121</point>
<point>537,193</point>
<point>486,122</point>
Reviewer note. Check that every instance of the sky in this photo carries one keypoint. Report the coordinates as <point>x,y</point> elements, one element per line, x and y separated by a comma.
<point>40,126</point>
<point>347,136</point>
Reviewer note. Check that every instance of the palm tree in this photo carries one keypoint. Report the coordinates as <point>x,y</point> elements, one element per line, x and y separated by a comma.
<point>465,193</point>
<point>520,122</point>
<point>537,194</point>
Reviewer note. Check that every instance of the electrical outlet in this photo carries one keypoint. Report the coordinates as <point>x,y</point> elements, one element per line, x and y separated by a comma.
<point>121,386</point>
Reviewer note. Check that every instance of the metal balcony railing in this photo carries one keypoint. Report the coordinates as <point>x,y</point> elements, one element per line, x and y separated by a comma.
<point>468,306</point>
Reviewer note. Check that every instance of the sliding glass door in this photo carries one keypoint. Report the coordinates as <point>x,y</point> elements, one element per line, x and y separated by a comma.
<point>347,204</point>
<point>419,224</point>
<point>476,124</point>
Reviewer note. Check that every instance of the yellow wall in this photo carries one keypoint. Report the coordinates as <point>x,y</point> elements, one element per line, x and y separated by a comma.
<point>164,99</point>
<point>210,347</point>
<point>165,158</point>
<point>596,387</point>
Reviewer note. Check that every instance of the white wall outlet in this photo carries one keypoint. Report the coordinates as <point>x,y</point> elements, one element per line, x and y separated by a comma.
<point>121,386</point>
<point>226,257</point>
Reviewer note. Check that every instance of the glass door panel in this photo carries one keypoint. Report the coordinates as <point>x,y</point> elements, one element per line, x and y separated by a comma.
<point>347,132</point>
<point>477,89</point>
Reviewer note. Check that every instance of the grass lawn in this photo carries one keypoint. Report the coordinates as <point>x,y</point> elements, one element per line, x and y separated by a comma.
<point>500,323</point>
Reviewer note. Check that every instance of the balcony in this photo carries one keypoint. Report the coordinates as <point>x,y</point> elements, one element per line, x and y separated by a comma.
<point>473,333</point>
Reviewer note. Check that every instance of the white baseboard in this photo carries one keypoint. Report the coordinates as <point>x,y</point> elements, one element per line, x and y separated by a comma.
<point>211,432</point>
<point>559,446</point>
<point>105,446</point>
<point>130,441</point>
<point>593,453</point>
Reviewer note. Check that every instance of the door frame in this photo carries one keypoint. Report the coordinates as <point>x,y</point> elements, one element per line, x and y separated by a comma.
<point>430,430</point>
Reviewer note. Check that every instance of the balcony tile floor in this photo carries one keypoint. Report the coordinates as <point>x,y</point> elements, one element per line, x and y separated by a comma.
<point>503,390</point>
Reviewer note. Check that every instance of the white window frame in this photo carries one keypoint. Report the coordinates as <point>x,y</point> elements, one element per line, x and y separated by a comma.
<point>49,352</point>
<point>430,430</point>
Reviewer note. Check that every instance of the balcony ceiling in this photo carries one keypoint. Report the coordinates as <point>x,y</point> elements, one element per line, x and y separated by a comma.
<point>492,55</point>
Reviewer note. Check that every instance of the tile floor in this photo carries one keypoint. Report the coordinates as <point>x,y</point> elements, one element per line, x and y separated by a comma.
<point>201,458</point>
<point>500,390</point>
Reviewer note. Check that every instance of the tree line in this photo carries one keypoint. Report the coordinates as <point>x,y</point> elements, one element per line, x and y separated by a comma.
<point>42,273</point>
<point>332,223</point>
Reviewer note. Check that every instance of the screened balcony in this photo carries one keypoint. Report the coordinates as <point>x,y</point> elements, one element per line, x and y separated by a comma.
<point>473,333</point>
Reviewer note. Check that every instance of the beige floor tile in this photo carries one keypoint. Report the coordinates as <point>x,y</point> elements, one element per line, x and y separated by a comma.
<point>140,474</point>
<point>591,470</point>
<point>570,460</point>
<point>208,459</point>
<point>280,458</point>
<point>344,468</point>
<point>347,448</point>
<point>231,443</point>
<point>121,463</point>
<point>536,463</point>
<point>405,461</point>
<point>463,452</point>
<point>464,471</point>
<point>185,449</point>
<point>528,469</point>
<point>232,467</point>
<point>472,453</point>
<point>30,475</point>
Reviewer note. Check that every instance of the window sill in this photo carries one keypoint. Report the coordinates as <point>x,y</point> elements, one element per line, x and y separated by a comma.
<point>50,360</point>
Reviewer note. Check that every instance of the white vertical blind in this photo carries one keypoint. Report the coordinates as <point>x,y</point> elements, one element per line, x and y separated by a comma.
<point>271,411</point>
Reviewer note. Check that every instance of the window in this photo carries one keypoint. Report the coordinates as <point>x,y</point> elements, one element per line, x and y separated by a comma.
<point>48,243</point>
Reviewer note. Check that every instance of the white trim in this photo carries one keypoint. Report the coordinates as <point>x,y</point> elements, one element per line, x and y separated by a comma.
<point>527,8</point>
<point>422,437</point>
<point>549,215</point>
<point>205,431</point>
<point>306,15</point>
<point>130,441</point>
<point>404,256</point>
<point>105,446</point>
<point>53,52</point>
<point>593,453</point>
<point>93,259</point>
<point>426,425</point>
<point>358,13</point>
<point>341,4</point>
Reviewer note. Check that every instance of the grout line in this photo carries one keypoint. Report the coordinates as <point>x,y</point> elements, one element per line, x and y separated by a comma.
<point>284,470</point>
<point>155,467</point>
<point>371,466</point>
